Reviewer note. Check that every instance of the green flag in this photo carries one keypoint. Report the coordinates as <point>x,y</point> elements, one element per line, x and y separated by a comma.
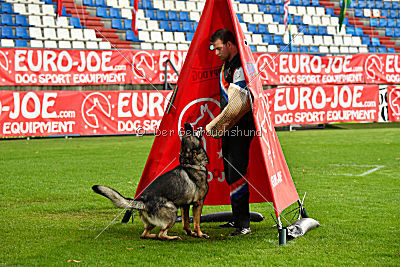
<point>343,8</point>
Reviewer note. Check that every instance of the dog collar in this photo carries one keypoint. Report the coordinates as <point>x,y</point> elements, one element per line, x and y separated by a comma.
<point>196,167</point>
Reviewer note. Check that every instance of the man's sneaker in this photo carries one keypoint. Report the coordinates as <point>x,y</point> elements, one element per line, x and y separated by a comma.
<point>227,225</point>
<point>241,231</point>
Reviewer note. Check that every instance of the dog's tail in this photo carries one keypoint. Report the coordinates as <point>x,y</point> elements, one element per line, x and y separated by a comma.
<point>117,199</point>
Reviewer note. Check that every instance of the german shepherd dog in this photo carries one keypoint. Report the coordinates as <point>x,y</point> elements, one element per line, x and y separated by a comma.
<point>181,187</point>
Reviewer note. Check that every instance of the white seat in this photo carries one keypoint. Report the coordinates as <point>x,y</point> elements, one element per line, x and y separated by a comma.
<point>258,19</point>
<point>292,10</point>
<point>243,8</point>
<point>272,49</point>
<point>169,5</point>
<point>140,14</point>
<point>328,40</point>
<point>168,37</point>
<point>49,34</point>
<point>159,46</point>
<point>76,34</point>
<point>316,20</point>
<point>183,47</point>
<point>268,19</point>
<point>337,40</point>
<point>36,33</point>
<point>347,40</point>
<point>261,48</point>
<point>63,34</point>
<point>293,29</point>
<point>310,11</point>
<point>257,39</point>
<point>344,49</point>
<point>146,46</point>
<point>158,4</point>
<point>48,21</point>
<point>126,13</point>
<point>155,37</point>
<point>191,6</point>
<point>301,10</point>
<point>180,37</point>
<point>318,40</point>
<point>63,22</point>
<point>50,44</point>
<point>35,20</point>
<point>64,44</point>
<point>244,27</point>
<point>90,35</point>
<point>307,19</point>
<point>153,25</point>
<point>125,4</point>
<point>20,9</point>
<point>353,49</point>
<point>376,13</point>
<point>320,11</point>
<point>141,24</point>
<point>308,40</point>
<point>334,21</point>
<point>342,31</point>
<point>180,5</point>
<point>78,45</point>
<point>334,49</point>
<point>323,49</point>
<point>34,9</point>
<point>112,3</point>
<point>325,21</point>
<point>194,15</point>
<point>92,45</point>
<point>104,45</point>
<point>247,17</point>
<point>144,36</point>
<point>363,49</point>
<point>200,5</point>
<point>272,28</point>
<point>367,12</point>
<point>48,10</point>
<point>281,29</point>
<point>253,8</point>
<point>298,40</point>
<point>331,30</point>
<point>169,46</point>
<point>36,43</point>
<point>7,43</point>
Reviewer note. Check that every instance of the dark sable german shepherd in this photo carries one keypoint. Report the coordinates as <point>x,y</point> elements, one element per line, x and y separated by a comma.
<point>181,187</point>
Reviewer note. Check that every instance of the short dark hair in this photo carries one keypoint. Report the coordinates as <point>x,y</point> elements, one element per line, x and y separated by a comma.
<point>224,35</point>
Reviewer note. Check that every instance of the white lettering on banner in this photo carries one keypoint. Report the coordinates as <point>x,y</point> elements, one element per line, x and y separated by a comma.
<point>276,179</point>
<point>351,115</point>
<point>392,64</point>
<point>313,64</point>
<point>292,98</point>
<point>393,78</point>
<point>177,58</point>
<point>99,78</point>
<point>149,104</point>
<point>138,126</point>
<point>34,127</point>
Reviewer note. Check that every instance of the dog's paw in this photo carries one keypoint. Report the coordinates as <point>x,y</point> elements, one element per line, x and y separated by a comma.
<point>201,235</point>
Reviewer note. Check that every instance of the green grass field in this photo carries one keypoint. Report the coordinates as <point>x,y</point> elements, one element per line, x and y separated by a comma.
<point>50,216</point>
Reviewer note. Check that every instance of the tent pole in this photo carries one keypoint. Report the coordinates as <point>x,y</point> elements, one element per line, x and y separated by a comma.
<point>303,212</point>
<point>282,232</point>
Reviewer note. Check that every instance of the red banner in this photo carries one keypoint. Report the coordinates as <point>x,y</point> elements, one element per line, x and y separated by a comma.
<point>47,113</point>
<point>99,67</point>
<point>324,104</point>
<point>393,98</point>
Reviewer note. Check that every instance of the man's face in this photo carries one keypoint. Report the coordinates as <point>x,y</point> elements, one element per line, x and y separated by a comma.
<point>222,50</point>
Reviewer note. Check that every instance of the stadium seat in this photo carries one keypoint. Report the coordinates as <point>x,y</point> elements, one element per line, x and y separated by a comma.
<point>165,25</point>
<point>116,24</point>
<point>304,49</point>
<point>394,13</point>
<point>7,43</point>
<point>100,3</point>
<point>77,34</point>
<point>389,32</point>
<point>387,4</point>
<point>365,40</point>
<point>50,44</point>
<point>172,15</point>
<point>391,23</point>
<point>312,30</point>
<point>7,8</point>
<point>90,35</point>
<point>381,49</point>
<point>187,26</point>
<point>359,32</point>
<point>102,12</point>
<point>22,33</point>
<point>130,36</point>
<point>161,15</point>
<point>396,32</point>
<point>373,22</point>
<point>262,28</point>
<point>6,20</point>
<point>176,26</point>
<point>7,32</point>
<point>114,13</point>
<point>20,20</point>
<point>75,22</point>
<point>63,34</point>
<point>78,45</point>
<point>184,16</point>
<point>36,43</point>
<point>382,22</point>
<point>189,36</point>
<point>391,50</point>
<point>170,46</point>
<point>375,41</point>
<point>21,43</point>
<point>384,13</point>
<point>252,28</point>
<point>127,24</point>
<point>48,21</point>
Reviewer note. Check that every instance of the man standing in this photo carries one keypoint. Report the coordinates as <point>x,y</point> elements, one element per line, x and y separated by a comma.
<point>235,125</point>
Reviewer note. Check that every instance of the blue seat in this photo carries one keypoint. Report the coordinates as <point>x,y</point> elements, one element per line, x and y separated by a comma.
<point>88,3</point>
<point>102,12</point>
<point>6,19</point>
<point>372,49</point>
<point>297,20</point>
<point>389,32</point>
<point>161,15</point>
<point>382,22</point>
<point>64,12</point>
<point>187,26</point>
<point>350,30</point>
<point>322,30</point>
<point>314,49</point>
<point>20,20</point>
<point>259,2</point>
<point>278,2</point>
<point>130,36</point>
<point>391,23</point>
<point>315,2</point>
<point>146,4</point>
<point>253,48</point>
<point>381,49</point>
<point>252,28</point>
<point>375,41</point>
<point>278,40</point>
<point>398,23</point>
<point>297,2</point>
<point>278,18</point>
<point>304,29</point>
<point>273,9</point>
<point>387,4</point>
<point>384,13</point>
<point>149,14</point>
<point>365,40</point>
<point>395,5</point>
<point>164,24</point>
<point>304,49</point>
<point>373,22</point>
<point>263,8</point>
<point>114,13</point>
<point>362,4</point>
<point>75,22</point>
<point>329,11</point>
<point>312,30</point>
<point>7,32</point>
<point>116,24</point>
<point>189,36</point>
<point>267,39</point>
<point>100,3</point>
<point>391,50</point>
<point>295,49</point>
<point>359,32</point>
<point>7,8</point>
<point>172,15</point>
<point>394,13</point>
<point>22,33</point>
<point>305,2</point>
<point>358,12</point>
<point>370,4</point>
<point>21,43</point>
<point>184,16</point>
<point>176,26</point>
<point>195,25</point>
<point>262,28</point>
<point>379,5</point>
<point>284,48</point>
<point>396,32</point>
<point>239,16</point>
<point>127,24</point>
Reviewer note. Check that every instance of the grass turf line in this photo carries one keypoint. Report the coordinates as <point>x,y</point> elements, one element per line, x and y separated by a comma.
<point>50,215</point>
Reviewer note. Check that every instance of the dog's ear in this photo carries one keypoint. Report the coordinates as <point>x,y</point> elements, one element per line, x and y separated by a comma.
<point>188,129</point>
